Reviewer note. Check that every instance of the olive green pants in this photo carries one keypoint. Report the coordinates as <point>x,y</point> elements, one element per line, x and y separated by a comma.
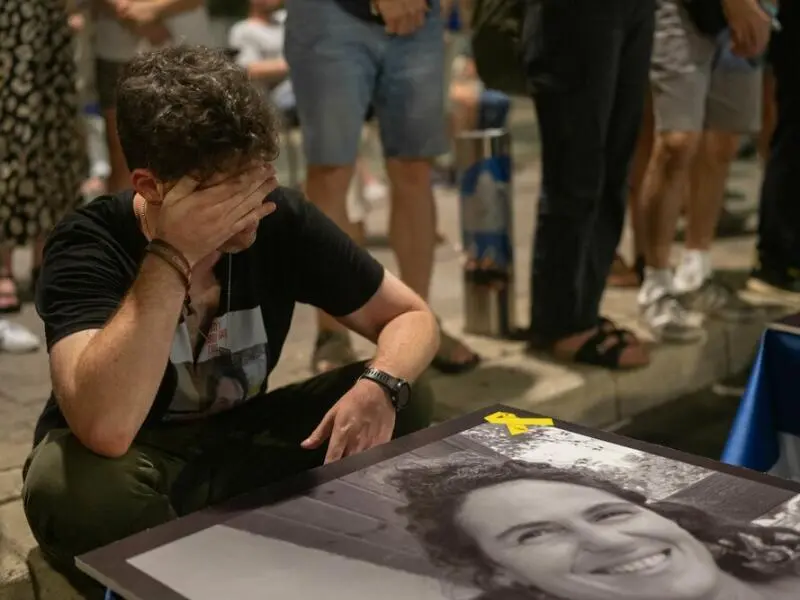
<point>77,501</point>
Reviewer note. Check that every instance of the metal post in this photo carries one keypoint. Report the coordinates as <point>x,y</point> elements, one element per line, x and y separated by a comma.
<point>483,160</point>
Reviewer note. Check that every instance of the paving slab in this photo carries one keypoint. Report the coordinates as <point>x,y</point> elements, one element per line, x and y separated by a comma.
<point>10,485</point>
<point>15,581</point>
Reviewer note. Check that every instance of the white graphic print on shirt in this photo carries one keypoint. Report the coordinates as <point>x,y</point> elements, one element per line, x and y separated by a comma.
<point>231,368</point>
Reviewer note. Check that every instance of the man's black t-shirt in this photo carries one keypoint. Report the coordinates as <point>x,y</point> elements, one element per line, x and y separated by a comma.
<point>93,256</point>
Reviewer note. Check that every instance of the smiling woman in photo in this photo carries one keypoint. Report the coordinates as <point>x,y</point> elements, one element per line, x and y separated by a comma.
<point>528,531</point>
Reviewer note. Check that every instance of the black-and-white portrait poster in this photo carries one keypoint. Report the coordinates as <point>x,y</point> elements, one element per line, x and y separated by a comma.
<point>469,510</point>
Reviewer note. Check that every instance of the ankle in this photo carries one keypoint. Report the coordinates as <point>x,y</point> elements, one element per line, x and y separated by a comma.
<point>693,270</point>
<point>657,283</point>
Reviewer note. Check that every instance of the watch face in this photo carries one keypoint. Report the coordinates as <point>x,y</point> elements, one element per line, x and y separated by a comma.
<point>403,395</point>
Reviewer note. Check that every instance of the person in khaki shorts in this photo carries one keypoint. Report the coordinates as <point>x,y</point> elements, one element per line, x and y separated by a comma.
<point>704,98</point>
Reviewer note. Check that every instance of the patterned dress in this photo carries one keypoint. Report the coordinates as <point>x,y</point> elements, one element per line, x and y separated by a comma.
<point>42,150</point>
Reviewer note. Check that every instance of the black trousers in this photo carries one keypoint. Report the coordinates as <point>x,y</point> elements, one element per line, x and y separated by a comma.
<point>779,223</point>
<point>588,63</point>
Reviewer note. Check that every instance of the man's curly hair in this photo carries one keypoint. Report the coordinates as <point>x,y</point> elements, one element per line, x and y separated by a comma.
<point>190,110</point>
<point>435,494</point>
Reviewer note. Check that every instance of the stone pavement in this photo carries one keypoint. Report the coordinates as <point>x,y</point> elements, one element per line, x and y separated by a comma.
<point>586,395</point>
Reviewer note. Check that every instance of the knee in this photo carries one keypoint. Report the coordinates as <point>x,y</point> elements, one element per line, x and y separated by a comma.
<point>464,97</point>
<point>409,174</point>
<point>76,500</point>
<point>720,148</point>
<point>675,149</point>
<point>330,175</point>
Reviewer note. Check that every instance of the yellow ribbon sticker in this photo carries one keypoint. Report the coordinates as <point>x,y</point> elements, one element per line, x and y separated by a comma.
<point>517,425</point>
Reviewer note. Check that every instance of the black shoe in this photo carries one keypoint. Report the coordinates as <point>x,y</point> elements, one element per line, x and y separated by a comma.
<point>780,284</point>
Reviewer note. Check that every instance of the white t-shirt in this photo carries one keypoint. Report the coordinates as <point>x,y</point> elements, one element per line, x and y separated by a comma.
<point>112,41</point>
<point>258,40</point>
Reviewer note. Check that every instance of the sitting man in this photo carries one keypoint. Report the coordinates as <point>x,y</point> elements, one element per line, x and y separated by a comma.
<point>166,307</point>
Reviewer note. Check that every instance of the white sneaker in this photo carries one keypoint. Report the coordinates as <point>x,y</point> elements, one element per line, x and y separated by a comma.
<point>16,339</point>
<point>671,322</point>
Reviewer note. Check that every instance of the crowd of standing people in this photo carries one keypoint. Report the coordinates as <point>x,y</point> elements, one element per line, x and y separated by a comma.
<point>637,107</point>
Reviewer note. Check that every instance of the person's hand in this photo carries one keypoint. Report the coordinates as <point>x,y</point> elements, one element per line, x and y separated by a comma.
<point>197,222</point>
<point>363,418</point>
<point>138,12</point>
<point>402,17</point>
<point>156,34</point>
<point>750,27</point>
<point>76,22</point>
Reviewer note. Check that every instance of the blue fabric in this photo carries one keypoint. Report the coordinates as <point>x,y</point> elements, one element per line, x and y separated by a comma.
<point>341,65</point>
<point>494,107</point>
<point>454,20</point>
<point>770,405</point>
<point>727,61</point>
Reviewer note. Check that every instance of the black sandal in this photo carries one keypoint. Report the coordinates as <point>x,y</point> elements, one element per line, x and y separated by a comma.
<point>604,348</point>
<point>443,362</point>
<point>14,304</point>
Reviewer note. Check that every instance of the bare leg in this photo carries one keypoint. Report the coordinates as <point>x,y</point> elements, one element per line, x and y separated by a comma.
<point>119,178</point>
<point>710,169</point>
<point>665,185</point>
<point>9,300</point>
<point>715,154</point>
<point>412,229</point>
<point>327,187</point>
<point>623,275</point>
<point>412,232</point>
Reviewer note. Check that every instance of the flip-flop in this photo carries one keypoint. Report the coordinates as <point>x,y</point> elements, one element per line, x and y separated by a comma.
<point>443,362</point>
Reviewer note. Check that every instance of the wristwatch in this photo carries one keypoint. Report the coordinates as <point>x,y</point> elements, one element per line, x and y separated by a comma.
<point>398,390</point>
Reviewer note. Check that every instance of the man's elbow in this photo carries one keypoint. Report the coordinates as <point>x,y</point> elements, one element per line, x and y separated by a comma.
<point>111,440</point>
<point>108,444</point>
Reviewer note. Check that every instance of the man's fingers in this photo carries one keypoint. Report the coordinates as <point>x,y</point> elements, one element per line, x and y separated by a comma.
<point>336,446</point>
<point>321,433</point>
<point>253,218</point>
<point>253,202</point>
<point>185,186</point>
<point>240,203</point>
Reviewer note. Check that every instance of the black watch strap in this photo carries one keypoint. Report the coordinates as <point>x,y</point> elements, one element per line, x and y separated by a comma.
<point>397,389</point>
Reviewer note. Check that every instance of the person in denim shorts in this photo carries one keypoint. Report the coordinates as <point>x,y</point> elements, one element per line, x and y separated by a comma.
<point>346,56</point>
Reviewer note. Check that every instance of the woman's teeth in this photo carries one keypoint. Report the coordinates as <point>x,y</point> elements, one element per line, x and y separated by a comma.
<point>639,565</point>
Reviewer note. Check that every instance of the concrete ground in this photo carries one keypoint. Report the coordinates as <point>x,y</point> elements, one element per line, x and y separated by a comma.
<point>508,375</point>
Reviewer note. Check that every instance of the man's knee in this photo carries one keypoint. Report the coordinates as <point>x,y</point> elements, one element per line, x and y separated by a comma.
<point>720,147</point>
<point>76,500</point>
<point>675,150</point>
<point>409,173</point>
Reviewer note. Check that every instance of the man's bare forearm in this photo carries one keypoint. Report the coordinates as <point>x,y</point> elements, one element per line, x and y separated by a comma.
<point>407,344</point>
<point>120,371</point>
<point>272,69</point>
